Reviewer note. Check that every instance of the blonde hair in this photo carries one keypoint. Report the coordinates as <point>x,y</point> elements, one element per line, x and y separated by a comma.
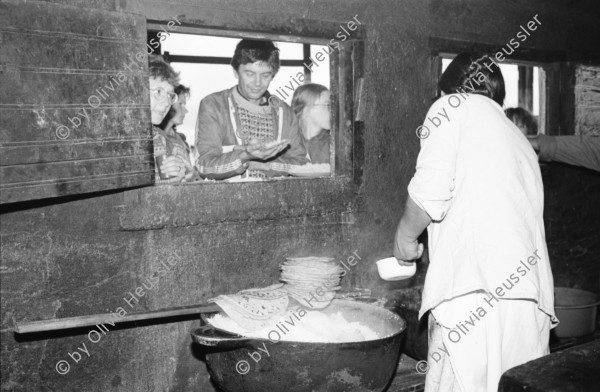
<point>305,95</point>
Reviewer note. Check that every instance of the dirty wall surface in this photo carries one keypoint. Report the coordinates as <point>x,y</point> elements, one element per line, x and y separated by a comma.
<point>88,254</point>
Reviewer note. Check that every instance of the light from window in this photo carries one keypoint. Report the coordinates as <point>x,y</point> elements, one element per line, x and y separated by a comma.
<point>526,94</point>
<point>207,78</point>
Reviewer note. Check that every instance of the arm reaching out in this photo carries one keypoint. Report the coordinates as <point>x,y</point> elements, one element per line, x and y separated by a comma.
<point>413,222</point>
<point>430,189</point>
<point>575,150</point>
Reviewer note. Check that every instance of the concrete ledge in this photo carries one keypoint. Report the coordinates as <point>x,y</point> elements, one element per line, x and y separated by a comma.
<point>184,205</point>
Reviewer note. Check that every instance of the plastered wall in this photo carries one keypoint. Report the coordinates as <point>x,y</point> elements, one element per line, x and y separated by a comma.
<point>84,255</point>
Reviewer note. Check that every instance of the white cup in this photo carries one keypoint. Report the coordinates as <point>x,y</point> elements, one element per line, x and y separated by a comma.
<point>389,269</point>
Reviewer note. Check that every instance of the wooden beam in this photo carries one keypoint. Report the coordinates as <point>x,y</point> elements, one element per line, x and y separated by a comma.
<point>110,318</point>
<point>525,87</point>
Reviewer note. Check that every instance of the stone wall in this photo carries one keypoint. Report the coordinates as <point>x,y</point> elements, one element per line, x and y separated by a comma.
<point>83,255</point>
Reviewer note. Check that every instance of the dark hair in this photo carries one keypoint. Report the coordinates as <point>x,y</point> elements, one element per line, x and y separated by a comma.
<point>253,50</point>
<point>523,119</point>
<point>158,68</point>
<point>465,74</point>
<point>179,90</point>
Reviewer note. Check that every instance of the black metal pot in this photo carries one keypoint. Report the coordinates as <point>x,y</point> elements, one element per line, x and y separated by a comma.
<point>242,364</point>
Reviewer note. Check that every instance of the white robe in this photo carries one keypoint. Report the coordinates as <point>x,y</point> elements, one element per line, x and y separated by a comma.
<point>479,180</point>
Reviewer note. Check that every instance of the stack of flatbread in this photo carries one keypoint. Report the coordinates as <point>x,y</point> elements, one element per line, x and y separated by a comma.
<point>254,308</point>
<point>312,281</point>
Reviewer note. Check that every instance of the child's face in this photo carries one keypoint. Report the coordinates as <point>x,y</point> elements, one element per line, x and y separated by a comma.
<point>160,90</point>
<point>322,113</point>
<point>180,109</point>
<point>318,112</point>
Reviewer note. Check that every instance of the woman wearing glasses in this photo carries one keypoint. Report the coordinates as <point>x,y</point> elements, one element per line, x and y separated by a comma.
<point>170,152</point>
<point>311,105</point>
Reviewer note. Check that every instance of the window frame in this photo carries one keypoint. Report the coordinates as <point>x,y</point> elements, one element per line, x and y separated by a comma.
<point>558,119</point>
<point>154,29</point>
<point>346,71</point>
<point>519,63</point>
<point>334,198</point>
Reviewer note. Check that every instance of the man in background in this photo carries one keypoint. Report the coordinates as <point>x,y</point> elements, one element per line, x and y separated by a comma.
<point>244,130</point>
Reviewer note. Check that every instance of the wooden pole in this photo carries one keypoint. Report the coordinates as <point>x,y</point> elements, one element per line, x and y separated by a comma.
<point>112,318</point>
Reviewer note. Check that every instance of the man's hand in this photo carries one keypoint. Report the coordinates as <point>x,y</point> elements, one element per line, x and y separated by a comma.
<point>258,151</point>
<point>413,222</point>
<point>406,249</point>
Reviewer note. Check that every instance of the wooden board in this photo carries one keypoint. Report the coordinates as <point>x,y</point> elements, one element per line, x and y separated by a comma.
<point>74,101</point>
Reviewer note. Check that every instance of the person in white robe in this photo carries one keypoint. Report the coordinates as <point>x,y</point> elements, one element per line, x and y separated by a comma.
<point>478,191</point>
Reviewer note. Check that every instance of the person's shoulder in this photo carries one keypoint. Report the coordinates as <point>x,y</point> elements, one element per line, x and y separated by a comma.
<point>448,102</point>
<point>452,100</point>
<point>217,96</point>
<point>159,136</point>
<point>484,100</point>
<point>467,103</point>
<point>158,130</point>
<point>281,107</point>
<point>276,102</point>
<point>287,108</point>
